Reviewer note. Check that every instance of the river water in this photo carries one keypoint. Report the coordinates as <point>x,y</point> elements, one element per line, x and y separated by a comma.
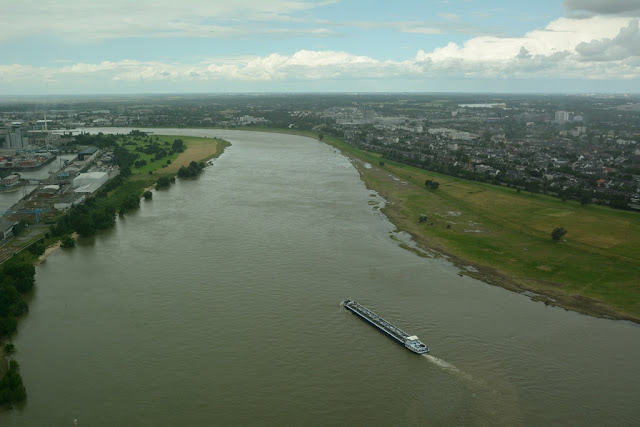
<point>218,303</point>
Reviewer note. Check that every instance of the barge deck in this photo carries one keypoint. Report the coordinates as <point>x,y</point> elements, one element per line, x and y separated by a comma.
<point>411,342</point>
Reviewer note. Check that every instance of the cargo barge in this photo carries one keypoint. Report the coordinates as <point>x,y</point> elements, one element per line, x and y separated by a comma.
<point>409,341</point>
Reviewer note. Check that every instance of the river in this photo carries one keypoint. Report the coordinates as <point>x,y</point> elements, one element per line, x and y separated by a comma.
<point>218,303</point>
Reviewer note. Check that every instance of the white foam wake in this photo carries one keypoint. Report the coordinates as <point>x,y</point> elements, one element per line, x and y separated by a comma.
<point>447,366</point>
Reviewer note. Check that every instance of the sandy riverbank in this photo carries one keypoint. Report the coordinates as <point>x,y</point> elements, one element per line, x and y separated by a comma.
<point>51,249</point>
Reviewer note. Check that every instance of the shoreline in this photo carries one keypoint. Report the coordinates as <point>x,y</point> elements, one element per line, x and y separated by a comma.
<point>51,249</point>
<point>529,287</point>
<point>537,289</point>
<point>187,156</point>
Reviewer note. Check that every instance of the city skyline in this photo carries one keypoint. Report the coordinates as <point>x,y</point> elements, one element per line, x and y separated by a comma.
<point>550,46</point>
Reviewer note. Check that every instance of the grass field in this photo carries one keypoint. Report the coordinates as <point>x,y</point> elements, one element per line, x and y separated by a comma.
<point>506,236</point>
<point>197,149</point>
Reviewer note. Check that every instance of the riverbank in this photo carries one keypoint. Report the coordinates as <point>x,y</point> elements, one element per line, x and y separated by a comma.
<point>503,237</point>
<point>51,249</point>
<point>549,293</point>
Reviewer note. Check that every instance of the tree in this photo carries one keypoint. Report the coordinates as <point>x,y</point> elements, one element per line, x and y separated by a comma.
<point>163,181</point>
<point>67,241</point>
<point>11,387</point>
<point>557,233</point>
<point>191,171</point>
<point>84,226</point>
<point>147,195</point>
<point>102,219</point>
<point>177,146</point>
<point>37,248</point>
<point>19,227</point>
<point>132,201</point>
<point>432,185</point>
<point>21,273</point>
<point>585,199</point>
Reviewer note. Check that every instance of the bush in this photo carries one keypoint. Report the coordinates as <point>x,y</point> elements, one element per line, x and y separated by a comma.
<point>163,181</point>
<point>67,241</point>
<point>37,248</point>
<point>191,171</point>
<point>11,387</point>
<point>557,233</point>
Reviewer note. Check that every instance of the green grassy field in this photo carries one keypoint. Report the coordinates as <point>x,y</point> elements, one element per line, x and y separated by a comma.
<point>506,235</point>
<point>197,149</point>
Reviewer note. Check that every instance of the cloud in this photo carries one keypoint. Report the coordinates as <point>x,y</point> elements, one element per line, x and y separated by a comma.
<point>83,21</point>
<point>625,45</point>
<point>593,48</point>
<point>523,54</point>
<point>451,24</point>
<point>303,65</point>
<point>585,8</point>
<point>91,21</point>
<point>563,34</point>
<point>599,47</point>
<point>449,16</point>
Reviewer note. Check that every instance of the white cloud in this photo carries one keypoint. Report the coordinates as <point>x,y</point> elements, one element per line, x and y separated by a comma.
<point>600,47</point>
<point>83,21</point>
<point>302,65</point>
<point>89,21</point>
<point>561,35</point>
<point>625,45</point>
<point>449,16</point>
<point>566,48</point>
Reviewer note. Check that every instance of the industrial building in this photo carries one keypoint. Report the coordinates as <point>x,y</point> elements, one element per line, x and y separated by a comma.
<point>14,137</point>
<point>89,182</point>
<point>88,154</point>
<point>10,180</point>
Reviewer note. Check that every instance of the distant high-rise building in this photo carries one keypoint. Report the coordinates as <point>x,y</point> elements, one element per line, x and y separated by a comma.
<point>368,115</point>
<point>562,116</point>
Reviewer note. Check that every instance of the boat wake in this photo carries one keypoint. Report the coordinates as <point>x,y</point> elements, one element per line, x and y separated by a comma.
<point>496,396</point>
<point>446,366</point>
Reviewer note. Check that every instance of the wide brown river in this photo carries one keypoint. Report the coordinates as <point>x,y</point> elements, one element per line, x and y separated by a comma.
<point>217,303</point>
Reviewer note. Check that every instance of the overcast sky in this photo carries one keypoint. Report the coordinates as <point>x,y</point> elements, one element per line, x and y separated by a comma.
<point>178,46</point>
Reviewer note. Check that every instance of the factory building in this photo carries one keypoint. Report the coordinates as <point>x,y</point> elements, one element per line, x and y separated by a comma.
<point>89,182</point>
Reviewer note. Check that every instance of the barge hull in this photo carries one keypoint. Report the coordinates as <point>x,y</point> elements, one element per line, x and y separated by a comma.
<point>410,342</point>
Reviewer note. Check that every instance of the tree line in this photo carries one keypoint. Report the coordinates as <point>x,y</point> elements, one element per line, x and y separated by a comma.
<point>17,277</point>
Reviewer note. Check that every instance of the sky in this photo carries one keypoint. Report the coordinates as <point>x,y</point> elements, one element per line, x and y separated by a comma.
<point>231,46</point>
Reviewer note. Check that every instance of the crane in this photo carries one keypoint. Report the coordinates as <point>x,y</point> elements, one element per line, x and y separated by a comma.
<point>36,211</point>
